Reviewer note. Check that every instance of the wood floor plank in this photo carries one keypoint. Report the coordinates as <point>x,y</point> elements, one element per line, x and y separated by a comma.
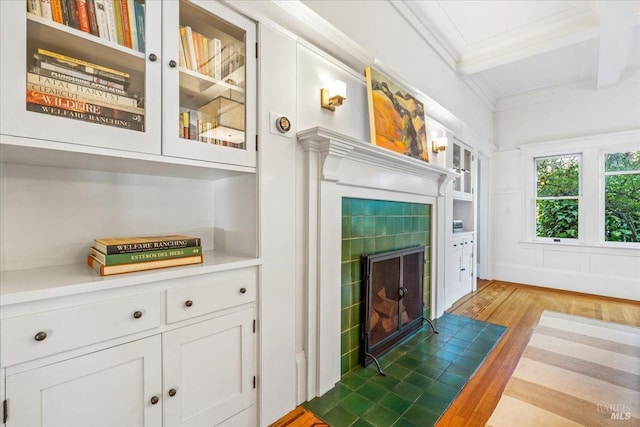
<point>519,308</point>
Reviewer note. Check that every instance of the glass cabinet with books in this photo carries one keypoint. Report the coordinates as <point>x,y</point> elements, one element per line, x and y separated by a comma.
<point>82,72</point>
<point>171,78</point>
<point>209,84</point>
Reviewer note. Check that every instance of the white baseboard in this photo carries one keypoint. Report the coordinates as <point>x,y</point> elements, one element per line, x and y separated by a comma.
<point>301,377</point>
<point>616,287</point>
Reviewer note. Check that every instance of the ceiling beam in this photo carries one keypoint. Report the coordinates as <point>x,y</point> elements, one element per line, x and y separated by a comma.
<point>616,33</point>
<point>495,57</point>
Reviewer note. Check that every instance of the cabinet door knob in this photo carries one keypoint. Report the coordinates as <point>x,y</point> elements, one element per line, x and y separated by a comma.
<point>172,64</point>
<point>172,392</point>
<point>137,314</point>
<point>154,400</point>
<point>243,290</point>
<point>41,336</point>
<point>153,57</point>
<point>188,303</point>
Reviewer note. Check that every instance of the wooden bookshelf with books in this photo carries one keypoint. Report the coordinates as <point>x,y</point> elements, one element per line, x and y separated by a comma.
<point>129,254</point>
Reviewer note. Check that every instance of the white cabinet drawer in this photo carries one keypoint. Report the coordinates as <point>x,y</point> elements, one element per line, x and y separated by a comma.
<point>217,292</point>
<point>41,334</point>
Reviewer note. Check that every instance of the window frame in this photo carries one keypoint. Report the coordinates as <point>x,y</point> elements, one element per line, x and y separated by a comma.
<point>577,197</point>
<point>602,196</point>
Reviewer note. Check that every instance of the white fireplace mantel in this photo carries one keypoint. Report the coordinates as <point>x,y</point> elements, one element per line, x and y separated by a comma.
<point>336,147</point>
<point>337,166</point>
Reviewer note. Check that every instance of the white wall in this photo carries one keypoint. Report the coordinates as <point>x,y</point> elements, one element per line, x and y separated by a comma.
<point>576,112</point>
<point>578,120</point>
<point>382,31</point>
<point>277,167</point>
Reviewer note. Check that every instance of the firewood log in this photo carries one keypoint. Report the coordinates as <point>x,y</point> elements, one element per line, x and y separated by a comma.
<point>384,306</point>
<point>374,318</point>
<point>389,324</point>
<point>405,317</point>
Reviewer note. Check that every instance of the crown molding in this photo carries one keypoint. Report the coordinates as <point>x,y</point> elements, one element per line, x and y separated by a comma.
<point>582,87</point>
<point>408,12</point>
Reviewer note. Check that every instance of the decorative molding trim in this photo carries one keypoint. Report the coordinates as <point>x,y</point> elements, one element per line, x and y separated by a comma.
<point>583,87</point>
<point>442,48</point>
<point>335,147</point>
<point>582,142</point>
<point>408,11</point>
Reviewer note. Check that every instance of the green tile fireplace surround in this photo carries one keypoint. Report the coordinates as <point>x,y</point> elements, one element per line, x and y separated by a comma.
<point>370,227</point>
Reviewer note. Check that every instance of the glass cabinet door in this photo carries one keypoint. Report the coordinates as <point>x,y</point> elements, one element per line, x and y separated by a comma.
<point>210,83</point>
<point>457,167</point>
<point>77,71</point>
<point>467,171</point>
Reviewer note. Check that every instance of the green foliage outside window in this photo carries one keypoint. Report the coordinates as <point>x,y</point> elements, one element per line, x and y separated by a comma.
<point>622,197</point>
<point>557,191</point>
<point>557,218</point>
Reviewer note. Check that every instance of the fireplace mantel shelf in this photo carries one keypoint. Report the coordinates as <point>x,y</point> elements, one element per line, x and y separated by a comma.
<point>336,147</point>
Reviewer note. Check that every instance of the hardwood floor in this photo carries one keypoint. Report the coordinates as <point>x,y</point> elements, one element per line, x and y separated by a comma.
<point>519,308</point>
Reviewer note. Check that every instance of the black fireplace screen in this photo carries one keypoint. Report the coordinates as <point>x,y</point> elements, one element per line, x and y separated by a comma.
<point>393,299</point>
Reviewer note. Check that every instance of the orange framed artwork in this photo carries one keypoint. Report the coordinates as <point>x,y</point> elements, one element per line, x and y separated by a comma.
<point>396,118</point>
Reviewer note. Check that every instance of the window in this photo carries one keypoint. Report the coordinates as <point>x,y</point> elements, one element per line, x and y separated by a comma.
<point>557,196</point>
<point>622,197</point>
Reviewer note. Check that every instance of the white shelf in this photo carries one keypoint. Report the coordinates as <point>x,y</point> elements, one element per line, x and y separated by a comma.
<point>35,284</point>
<point>38,152</point>
<point>201,89</point>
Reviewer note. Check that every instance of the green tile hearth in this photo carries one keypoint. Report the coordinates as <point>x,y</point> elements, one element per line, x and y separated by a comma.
<point>424,375</point>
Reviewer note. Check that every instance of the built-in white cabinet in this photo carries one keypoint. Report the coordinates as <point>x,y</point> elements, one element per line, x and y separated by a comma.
<point>105,138</point>
<point>460,271</point>
<point>64,366</point>
<point>148,98</point>
<point>113,387</point>
<point>209,370</point>
<point>461,160</point>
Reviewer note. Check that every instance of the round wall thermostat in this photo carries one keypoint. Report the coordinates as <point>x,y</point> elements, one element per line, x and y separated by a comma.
<point>283,124</point>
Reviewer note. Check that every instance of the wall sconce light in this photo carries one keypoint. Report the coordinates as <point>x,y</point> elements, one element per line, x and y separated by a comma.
<point>440,144</point>
<point>334,96</point>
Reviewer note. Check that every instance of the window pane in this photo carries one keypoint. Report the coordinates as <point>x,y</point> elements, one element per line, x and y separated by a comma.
<point>617,162</point>
<point>558,176</point>
<point>557,218</point>
<point>622,208</point>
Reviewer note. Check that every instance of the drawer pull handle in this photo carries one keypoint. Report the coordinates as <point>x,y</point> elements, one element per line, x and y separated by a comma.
<point>188,303</point>
<point>172,392</point>
<point>243,290</point>
<point>41,336</point>
<point>154,400</point>
<point>137,314</point>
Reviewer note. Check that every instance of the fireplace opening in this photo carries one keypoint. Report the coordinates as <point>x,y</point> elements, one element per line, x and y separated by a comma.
<point>393,300</point>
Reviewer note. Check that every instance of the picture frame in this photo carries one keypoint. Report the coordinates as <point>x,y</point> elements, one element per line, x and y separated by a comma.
<point>396,117</point>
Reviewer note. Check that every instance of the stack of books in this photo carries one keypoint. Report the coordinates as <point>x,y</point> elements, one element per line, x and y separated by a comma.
<point>210,57</point>
<point>118,21</point>
<point>65,86</point>
<point>128,254</point>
